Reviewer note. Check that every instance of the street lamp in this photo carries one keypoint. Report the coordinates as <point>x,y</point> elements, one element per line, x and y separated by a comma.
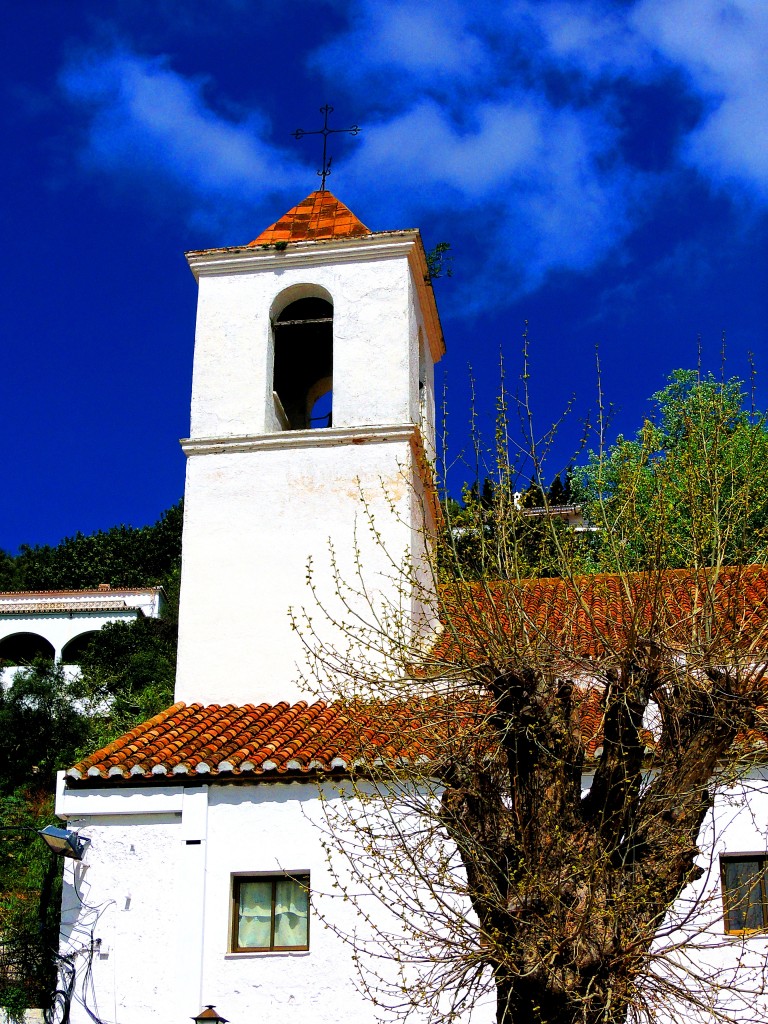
<point>64,842</point>
<point>61,841</point>
<point>209,1016</point>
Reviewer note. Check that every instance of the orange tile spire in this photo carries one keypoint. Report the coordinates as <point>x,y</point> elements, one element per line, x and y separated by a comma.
<point>320,215</point>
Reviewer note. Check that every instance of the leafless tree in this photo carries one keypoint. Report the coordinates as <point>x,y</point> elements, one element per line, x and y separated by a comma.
<point>535,806</point>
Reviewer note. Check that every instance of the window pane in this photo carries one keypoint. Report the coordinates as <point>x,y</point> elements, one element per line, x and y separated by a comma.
<point>291,912</point>
<point>254,914</point>
<point>744,894</point>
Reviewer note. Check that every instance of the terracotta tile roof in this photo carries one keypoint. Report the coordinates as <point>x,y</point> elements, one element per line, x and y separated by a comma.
<point>56,607</point>
<point>596,616</point>
<point>84,591</point>
<point>586,618</point>
<point>283,740</point>
<point>320,215</point>
<point>97,599</point>
<point>278,739</point>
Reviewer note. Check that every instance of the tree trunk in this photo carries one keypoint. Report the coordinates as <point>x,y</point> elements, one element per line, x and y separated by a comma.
<point>526,1001</point>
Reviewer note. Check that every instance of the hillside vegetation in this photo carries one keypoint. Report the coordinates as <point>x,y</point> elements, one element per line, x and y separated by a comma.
<point>46,720</point>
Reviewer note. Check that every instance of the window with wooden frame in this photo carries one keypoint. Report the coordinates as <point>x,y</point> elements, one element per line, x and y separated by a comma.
<point>745,904</point>
<point>270,912</point>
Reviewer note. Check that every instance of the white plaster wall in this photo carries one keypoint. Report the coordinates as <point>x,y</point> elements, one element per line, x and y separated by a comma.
<point>269,828</point>
<point>155,889</point>
<point>155,894</point>
<point>125,898</point>
<point>254,514</point>
<point>729,971</point>
<point>252,521</point>
<point>375,380</point>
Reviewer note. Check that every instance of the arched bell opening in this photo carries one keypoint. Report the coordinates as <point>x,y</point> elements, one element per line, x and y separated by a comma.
<point>24,649</point>
<point>303,374</point>
<point>72,652</point>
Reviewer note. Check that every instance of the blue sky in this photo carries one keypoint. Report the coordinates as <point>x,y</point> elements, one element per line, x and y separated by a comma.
<point>599,168</point>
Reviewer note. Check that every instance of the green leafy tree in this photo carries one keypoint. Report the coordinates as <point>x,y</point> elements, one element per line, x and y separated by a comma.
<point>128,671</point>
<point>7,571</point>
<point>690,489</point>
<point>559,493</point>
<point>43,722</point>
<point>490,524</point>
<point>30,897</point>
<point>439,261</point>
<point>121,556</point>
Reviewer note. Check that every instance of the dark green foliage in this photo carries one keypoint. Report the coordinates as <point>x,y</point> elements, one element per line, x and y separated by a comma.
<point>533,496</point>
<point>7,571</point>
<point>43,722</point>
<point>129,671</point>
<point>489,536</point>
<point>123,556</point>
<point>29,904</point>
<point>439,261</point>
<point>559,493</point>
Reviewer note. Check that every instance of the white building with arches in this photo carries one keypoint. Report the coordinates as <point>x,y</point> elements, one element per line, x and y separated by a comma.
<point>59,624</point>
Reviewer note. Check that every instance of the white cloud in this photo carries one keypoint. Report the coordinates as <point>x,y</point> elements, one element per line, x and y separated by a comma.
<point>473,133</point>
<point>719,47</point>
<point>423,145</point>
<point>722,46</point>
<point>533,185</point>
<point>147,121</point>
<point>596,37</point>
<point>428,42</point>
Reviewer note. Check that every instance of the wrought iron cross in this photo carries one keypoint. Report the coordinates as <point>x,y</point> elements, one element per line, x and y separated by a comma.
<point>325,131</point>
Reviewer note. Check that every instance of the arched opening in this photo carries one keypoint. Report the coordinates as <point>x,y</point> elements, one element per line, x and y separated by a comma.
<point>303,377</point>
<point>72,652</point>
<point>24,648</point>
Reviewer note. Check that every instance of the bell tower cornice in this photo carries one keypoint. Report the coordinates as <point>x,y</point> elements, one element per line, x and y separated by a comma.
<point>381,245</point>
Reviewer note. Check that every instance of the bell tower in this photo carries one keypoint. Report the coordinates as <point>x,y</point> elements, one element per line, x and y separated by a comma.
<point>313,416</point>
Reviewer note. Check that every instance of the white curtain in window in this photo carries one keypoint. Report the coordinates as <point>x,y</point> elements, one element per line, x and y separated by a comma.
<point>291,911</point>
<point>255,914</point>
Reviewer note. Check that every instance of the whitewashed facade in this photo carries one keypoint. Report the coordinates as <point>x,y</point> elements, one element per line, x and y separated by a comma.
<point>55,623</point>
<point>150,906</point>
<point>260,500</point>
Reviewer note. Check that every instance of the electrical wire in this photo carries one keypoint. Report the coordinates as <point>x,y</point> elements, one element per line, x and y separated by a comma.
<point>64,996</point>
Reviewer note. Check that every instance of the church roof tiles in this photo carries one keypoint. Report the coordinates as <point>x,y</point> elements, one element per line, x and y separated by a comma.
<point>320,216</point>
<point>590,618</point>
<point>296,740</point>
<point>586,618</point>
<point>268,739</point>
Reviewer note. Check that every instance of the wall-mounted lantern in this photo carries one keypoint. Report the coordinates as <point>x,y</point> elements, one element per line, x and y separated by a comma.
<point>209,1016</point>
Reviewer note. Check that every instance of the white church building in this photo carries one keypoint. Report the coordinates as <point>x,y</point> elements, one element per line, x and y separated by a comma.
<point>201,821</point>
<point>312,418</point>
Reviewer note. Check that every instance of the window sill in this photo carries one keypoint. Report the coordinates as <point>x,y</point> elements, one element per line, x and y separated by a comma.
<point>258,954</point>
